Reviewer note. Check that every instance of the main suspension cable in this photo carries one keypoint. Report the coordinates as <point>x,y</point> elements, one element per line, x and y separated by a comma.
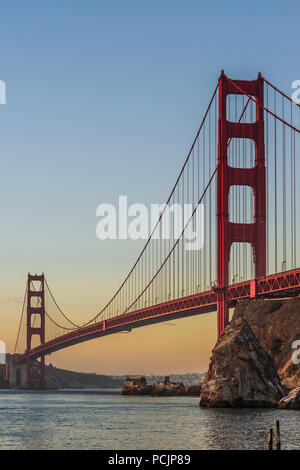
<point>64,315</point>
<point>161,215</point>
<point>21,319</point>
<point>262,106</point>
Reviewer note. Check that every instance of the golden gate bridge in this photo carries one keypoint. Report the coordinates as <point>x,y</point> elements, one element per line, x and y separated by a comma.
<point>242,167</point>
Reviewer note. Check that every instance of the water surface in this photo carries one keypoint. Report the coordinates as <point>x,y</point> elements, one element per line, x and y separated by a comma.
<point>107,420</point>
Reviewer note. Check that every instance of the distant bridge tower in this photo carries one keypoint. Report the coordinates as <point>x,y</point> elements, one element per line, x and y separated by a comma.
<point>228,232</point>
<point>35,370</point>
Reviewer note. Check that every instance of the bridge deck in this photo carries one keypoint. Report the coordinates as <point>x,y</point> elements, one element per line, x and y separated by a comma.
<point>205,302</point>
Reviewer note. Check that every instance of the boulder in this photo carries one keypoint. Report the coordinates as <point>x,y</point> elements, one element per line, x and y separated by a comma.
<point>241,373</point>
<point>276,324</point>
<point>136,386</point>
<point>291,401</point>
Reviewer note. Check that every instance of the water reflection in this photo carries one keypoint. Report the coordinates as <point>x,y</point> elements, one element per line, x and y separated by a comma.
<point>95,420</point>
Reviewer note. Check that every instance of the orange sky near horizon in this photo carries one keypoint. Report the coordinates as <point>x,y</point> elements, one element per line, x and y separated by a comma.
<point>178,346</point>
<point>103,102</point>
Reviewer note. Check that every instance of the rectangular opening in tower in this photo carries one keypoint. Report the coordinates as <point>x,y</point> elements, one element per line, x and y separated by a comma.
<point>239,108</point>
<point>241,205</point>
<point>241,153</point>
<point>36,321</point>
<point>241,266</point>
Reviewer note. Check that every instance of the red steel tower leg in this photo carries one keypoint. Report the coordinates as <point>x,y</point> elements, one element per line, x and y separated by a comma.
<point>35,376</point>
<point>228,232</point>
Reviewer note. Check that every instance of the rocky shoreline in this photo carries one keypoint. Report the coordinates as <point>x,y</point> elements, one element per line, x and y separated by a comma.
<point>241,374</point>
<point>139,386</point>
<point>251,364</point>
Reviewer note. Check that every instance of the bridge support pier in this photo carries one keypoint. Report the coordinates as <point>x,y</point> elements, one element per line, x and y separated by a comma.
<point>18,376</point>
<point>222,305</point>
<point>227,176</point>
<point>35,370</point>
<point>8,371</point>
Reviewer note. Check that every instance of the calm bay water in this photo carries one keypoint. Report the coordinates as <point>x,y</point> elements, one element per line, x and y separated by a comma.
<point>107,420</point>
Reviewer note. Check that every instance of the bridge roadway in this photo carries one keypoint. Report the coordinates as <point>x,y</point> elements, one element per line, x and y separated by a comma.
<point>275,285</point>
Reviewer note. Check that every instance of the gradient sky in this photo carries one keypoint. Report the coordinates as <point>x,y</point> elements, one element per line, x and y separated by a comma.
<point>104,98</point>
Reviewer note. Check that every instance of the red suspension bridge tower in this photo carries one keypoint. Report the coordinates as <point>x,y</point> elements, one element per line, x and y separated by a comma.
<point>35,370</point>
<point>227,176</point>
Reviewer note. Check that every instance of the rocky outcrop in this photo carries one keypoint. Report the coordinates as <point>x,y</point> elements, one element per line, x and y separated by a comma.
<point>241,373</point>
<point>193,390</point>
<point>276,324</point>
<point>164,388</point>
<point>139,386</point>
<point>167,389</point>
<point>291,401</point>
<point>136,386</point>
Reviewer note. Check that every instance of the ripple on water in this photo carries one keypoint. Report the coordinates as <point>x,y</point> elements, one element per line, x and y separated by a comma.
<point>95,420</point>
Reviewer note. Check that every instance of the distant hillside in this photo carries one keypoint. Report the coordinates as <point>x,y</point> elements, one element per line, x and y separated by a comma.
<point>60,378</point>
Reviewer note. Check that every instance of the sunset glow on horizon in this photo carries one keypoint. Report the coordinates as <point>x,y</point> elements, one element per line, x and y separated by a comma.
<point>102,102</point>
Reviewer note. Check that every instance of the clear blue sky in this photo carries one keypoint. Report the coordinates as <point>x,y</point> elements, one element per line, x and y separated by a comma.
<point>104,98</point>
